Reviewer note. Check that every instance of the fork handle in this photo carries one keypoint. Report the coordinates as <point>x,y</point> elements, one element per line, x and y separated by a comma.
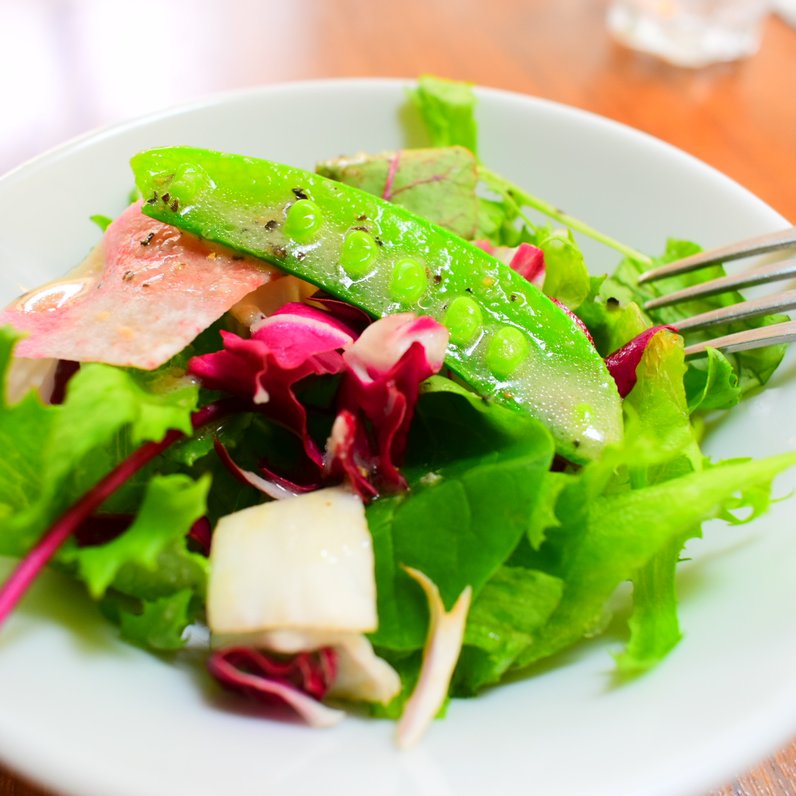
<point>774,334</point>
<point>772,241</point>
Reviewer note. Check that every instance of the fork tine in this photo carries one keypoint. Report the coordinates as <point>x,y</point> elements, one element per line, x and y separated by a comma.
<point>775,241</point>
<point>773,334</point>
<point>755,276</point>
<point>754,308</point>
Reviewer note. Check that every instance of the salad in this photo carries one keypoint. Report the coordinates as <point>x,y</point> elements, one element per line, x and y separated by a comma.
<point>376,428</point>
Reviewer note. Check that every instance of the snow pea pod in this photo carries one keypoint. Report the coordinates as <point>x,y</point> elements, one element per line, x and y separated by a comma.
<point>508,340</point>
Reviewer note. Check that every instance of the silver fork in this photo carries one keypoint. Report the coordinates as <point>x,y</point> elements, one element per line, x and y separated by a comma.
<point>784,332</point>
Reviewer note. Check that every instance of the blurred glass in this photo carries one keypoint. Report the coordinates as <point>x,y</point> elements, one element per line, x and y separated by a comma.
<point>690,32</point>
<point>787,10</point>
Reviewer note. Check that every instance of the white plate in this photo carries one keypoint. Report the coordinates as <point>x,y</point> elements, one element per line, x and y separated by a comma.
<point>85,714</point>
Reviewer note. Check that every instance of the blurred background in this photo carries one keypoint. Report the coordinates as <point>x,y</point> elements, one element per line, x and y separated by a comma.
<point>68,67</point>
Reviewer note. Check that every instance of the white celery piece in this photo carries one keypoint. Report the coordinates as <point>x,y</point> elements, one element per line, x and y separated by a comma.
<point>443,645</point>
<point>302,564</point>
<point>361,674</point>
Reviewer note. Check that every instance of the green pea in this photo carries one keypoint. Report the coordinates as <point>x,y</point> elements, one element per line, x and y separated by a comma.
<point>463,319</point>
<point>408,280</point>
<point>303,220</point>
<point>359,252</point>
<point>506,351</point>
<point>190,181</point>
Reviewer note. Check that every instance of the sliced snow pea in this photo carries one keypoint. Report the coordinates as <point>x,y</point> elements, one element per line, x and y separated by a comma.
<point>508,340</point>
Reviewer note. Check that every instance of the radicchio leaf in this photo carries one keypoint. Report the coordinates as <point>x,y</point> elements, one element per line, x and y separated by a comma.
<point>526,259</point>
<point>575,319</point>
<point>298,682</point>
<point>623,362</point>
<point>295,342</point>
<point>275,489</point>
<point>200,535</point>
<point>379,390</point>
<point>348,455</point>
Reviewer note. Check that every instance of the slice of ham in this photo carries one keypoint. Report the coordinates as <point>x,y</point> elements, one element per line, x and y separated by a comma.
<point>142,295</point>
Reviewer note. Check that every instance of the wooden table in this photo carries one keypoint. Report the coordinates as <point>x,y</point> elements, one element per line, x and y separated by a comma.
<point>68,67</point>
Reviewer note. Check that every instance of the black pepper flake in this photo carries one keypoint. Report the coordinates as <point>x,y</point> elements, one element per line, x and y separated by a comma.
<point>145,242</point>
<point>300,255</point>
<point>361,229</point>
<point>468,290</point>
<point>153,199</point>
<point>299,193</point>
<point>166,198</point>
<point>612,302</point>
<point>127,276</point>
<point>513,297</point>
<point>280,252</point>
<point>271,224</point>
<point>363,217</point>
<point>379,241</point>
<point>174,206</point>
<point>437,279</point>
<point>575,443</point>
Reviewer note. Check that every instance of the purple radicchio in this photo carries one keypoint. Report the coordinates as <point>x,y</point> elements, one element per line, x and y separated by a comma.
<point>526,259</point>
<point>623,362</point>
<point>378,393</point>
<point>381,374</point>
<point>574,318</point>
<point>295,342</point>
<point>269,482</point>
<point>298,682</point>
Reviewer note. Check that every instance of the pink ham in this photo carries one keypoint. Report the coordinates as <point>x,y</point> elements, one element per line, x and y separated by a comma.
<point>145,293</point>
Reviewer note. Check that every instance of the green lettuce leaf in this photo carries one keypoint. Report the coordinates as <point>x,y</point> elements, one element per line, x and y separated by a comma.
<point>161,623</point>
<point>654,624</point>
<point>712,385</point>
<point>611,323</point>
<point>566,276</point>
<point>660,410</point>
<point>448,111</point>
<point>605,541</point>
<point>513,605</point>
<point>151,557</point>
<point>475,472</point>
<point>57,453</point>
